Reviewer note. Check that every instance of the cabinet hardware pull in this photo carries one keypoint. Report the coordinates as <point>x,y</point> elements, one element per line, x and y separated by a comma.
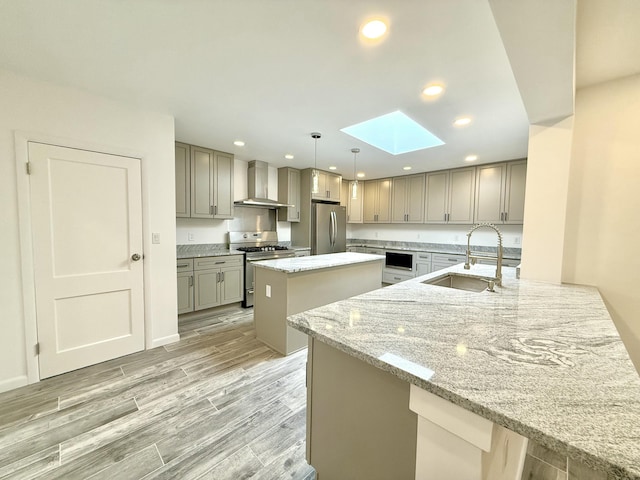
<point>505,216</point>
<point>217,277</point>
<point>215,209</point>
<point>183,265</point>
<point>218,263</point>
<point>222,275</point>
<point>191,281</point>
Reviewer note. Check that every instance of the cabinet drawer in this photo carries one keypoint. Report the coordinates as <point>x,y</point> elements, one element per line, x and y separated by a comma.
<point>450,258</point>
<point>423,257</point>
<point>184,265</point>
<point>374,251</point>
<point>216,262</point>
<point>392,277</point>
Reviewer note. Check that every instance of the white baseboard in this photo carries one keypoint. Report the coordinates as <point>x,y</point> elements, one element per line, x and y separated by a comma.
<point>159,342</point>
<point>15,382</point>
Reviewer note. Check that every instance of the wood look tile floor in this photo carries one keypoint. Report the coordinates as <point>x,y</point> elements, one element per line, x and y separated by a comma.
<point>219,404</point>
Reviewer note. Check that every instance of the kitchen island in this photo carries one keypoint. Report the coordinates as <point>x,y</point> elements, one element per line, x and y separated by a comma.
<point>542,360</point>
<point>290,285</point>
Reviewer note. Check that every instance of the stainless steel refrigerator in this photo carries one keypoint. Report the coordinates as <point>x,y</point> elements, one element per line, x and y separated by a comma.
<point>328,228</point>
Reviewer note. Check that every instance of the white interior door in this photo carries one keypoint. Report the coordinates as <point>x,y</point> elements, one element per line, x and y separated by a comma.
<point>86,214</point>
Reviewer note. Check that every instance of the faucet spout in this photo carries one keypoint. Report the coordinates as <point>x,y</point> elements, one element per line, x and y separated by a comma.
<point>471,258</point>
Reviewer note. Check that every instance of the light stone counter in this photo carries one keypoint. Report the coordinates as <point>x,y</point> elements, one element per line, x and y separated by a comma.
<point>540,359</point>
<point>317,262</point>
<point>204,250</point>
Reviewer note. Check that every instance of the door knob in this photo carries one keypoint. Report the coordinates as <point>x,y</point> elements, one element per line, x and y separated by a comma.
<point>135,257</point>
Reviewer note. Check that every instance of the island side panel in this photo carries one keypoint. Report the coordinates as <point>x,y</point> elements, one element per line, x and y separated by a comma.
<point>270,313</point>
<point>359,422</point>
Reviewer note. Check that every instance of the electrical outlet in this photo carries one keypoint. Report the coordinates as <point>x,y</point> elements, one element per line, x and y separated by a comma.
<point>155,238</point>
<point>418,236</point>
<point>191,237</point>
<point>268,291</point>
<point>517,240</point>
<point>375,234</point>
<point>456,238</point>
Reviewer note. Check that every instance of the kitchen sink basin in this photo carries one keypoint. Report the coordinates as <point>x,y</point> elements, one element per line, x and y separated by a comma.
<point>461,282</point>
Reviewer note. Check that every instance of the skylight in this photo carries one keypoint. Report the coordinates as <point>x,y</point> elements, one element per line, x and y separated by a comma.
<point>395,133</point>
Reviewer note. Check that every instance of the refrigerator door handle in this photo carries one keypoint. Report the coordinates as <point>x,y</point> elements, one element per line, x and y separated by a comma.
<point>332,228</point>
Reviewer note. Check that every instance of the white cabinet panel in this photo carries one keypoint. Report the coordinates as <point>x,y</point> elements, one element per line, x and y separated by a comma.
<point>183,180</point>
<point>500,192</point>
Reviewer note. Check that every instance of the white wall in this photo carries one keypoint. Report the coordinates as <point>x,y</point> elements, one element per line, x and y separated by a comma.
<point>204,230</point>
<point>447,234</point>
<point>603,214</point>
<point>45,109</point>
<point>548,160</point>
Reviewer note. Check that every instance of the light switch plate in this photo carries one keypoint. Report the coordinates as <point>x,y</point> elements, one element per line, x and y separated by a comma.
<point>155,238</point>
<point>268,291</point>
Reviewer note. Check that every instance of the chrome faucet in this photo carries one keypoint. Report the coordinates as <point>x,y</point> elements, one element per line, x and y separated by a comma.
<point>471,258</point>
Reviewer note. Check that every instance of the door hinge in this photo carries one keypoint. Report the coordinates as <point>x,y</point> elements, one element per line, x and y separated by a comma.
<point>37,348</point>
<point>28,168</point>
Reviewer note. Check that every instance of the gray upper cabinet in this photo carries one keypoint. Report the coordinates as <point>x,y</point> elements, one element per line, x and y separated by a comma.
<point>183,180</point>
<point>407,201</point>
<point>289,192</point>
<point>500,190</point>
<point>450,196</point>
<point>354,205</point>
<point>211,183</point>
<point>222,185</point>
<point>329,186</point>
<point>376,201</point>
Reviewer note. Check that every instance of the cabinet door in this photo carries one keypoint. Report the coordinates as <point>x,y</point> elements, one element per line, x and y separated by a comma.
<point>293,213</point>
<point>369,199</point>
<point>185,292</point>
<point>398,200</point>
<point>423,268</point>
<point>490,188</point>
<point>334,186</point>
<point>223,185</point>
<point>461,195</point>
<point>231,285</point>
<point>415,199</point>
<point>354,208</point>
<point>207,291</point>
<point>322,186</point>
<point>183,180</point>
<point>201,182</point>
<point>515,192</point>
<point>289,192</point>
<point>384,201</point>
<point>436,197</point>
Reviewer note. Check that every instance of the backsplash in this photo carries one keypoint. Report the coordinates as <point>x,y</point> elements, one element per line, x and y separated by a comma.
<point>508,252</point>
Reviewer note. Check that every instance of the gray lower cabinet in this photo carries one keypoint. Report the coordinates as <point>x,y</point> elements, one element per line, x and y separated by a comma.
<point>423,263</point>
<point>209,282</point>
<point>185,285</point>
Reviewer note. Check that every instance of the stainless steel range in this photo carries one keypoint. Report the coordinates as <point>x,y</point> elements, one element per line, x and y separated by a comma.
<point>256,246</point>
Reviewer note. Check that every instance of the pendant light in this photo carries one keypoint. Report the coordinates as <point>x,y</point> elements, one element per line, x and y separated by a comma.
<point>354,186</point>
<point>314,174</point>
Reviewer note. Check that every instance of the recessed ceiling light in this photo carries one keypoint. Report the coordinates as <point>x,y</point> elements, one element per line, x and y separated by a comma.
<point>433,90</point>
<point>333,167</point>
<point>394,133</point>
<point>470,158</point>
<point>288,156</point>
<point>462,121</point>
<point>239,143</point>
<point>360,175</point>
<point>373,29</point>
<point>406,168</point>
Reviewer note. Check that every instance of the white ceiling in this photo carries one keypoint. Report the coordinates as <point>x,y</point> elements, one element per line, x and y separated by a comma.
<point>270,72</point>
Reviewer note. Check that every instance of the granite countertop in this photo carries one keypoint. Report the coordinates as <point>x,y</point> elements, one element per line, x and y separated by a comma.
<point>204,250</point>
<point>543,360</point>
<point>317,262</point>
<point>296,247</point>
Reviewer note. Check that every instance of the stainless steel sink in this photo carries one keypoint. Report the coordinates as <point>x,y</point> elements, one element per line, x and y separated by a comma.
<point>461,282</point>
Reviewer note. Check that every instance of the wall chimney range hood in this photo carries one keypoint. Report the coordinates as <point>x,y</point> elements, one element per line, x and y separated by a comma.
<point>258,189</point>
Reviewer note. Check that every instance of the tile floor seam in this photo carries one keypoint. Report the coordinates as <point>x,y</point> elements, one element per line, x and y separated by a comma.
<point>159,454</point>
<point>257,456</point>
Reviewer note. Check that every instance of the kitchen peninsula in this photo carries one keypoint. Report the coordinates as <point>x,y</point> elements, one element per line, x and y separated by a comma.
<point>542,360</point>
<point>290,285</point>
